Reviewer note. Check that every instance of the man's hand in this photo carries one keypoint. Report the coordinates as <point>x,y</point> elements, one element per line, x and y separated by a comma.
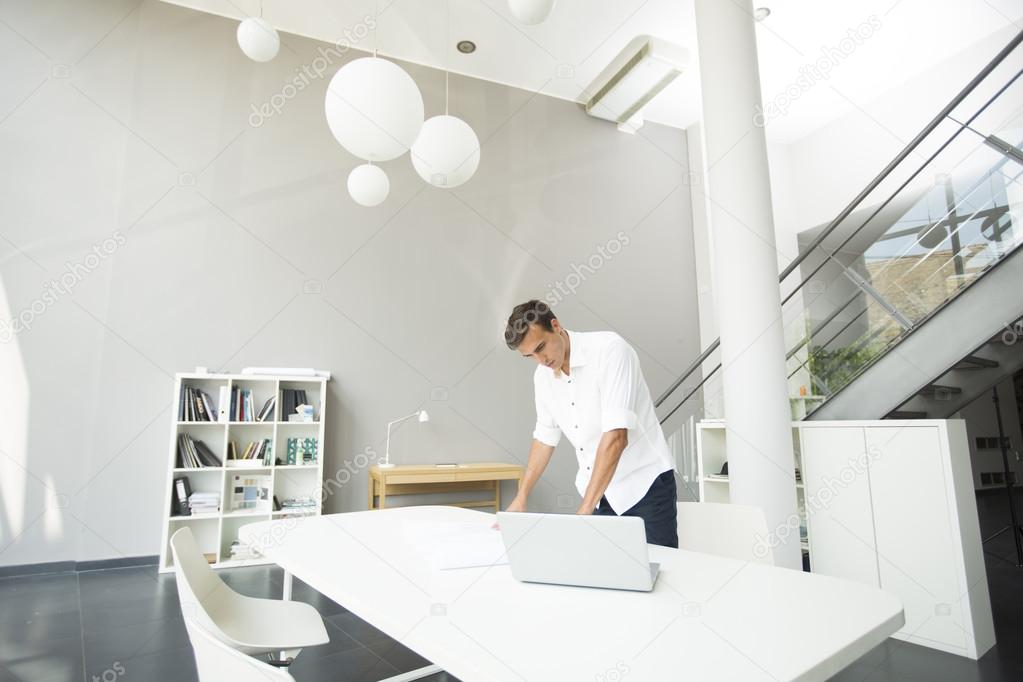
<point>516,505</point>
<point>584,511</point>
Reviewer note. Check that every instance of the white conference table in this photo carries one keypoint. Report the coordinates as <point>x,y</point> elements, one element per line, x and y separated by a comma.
<point>709,618</point>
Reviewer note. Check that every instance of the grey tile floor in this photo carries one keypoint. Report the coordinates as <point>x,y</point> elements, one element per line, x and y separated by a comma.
<point>125,624</point>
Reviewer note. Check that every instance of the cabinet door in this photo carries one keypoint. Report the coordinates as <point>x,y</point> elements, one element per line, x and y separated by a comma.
<point>915,547</point>
<point>839,518</point>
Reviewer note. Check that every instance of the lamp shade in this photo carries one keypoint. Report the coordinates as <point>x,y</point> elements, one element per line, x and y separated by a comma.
<point>374,108</point>
<point>931,236</point>
<point>531,11</point>
<point>258,39</point>
<point>368,184</point>
<point>447,152</point>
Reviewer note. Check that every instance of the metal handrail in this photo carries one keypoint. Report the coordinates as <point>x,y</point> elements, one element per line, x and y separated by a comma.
<point>847,211</point>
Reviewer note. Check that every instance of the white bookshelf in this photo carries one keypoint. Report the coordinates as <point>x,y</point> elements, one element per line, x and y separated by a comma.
<point>711,456</point>
<point>215,532</point>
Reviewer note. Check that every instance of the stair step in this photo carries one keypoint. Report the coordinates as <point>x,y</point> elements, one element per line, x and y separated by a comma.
<point>939,391</point>
<point>975,362</point>
<point>906,414</point>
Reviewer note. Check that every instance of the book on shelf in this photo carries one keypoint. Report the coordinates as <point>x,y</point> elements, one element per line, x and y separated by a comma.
<point>301,451</point>
<point>290,399</point>
<point>180,493</point>
<point>250,492</point>
<point>194,405</point>
<point>268,409</point>
<point>256,451</point>
<point>200,503</point>
<point>194,454</point>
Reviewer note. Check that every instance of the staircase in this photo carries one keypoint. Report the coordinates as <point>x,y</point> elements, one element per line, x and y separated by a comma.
<point>909,304</point>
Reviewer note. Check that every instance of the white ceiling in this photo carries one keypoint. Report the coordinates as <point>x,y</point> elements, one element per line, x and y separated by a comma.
<point>561,56</point>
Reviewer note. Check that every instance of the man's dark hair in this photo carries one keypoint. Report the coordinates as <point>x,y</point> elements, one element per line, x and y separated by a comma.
<point>523,315</point>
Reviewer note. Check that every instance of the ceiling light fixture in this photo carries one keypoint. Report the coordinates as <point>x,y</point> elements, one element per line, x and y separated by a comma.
<point>643,69</point>
<point>466,46</point>
<point>447,151</point>
<point>258,39</point>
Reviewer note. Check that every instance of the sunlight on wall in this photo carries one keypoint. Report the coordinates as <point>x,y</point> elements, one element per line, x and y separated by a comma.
<point>14,402</point>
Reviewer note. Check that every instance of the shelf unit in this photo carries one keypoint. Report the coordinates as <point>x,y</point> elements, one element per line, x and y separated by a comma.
<point>215,532</point>
<point>711,456</point>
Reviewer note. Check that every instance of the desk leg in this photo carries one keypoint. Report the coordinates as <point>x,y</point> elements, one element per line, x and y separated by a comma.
<point>370,480</point>
<point>382,492</point>
<point>497,496</point>
<point>417,674</point>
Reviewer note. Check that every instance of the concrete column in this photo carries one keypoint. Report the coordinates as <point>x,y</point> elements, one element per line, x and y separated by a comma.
<point>758,435</point>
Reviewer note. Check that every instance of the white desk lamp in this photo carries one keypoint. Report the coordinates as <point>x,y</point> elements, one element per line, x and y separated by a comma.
<point>423,417</point>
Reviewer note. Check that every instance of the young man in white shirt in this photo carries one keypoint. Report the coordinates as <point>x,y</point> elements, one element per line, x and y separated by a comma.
<point>589,386</point>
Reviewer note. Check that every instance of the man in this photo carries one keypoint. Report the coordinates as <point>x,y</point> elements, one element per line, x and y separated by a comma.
<point>590,387</point>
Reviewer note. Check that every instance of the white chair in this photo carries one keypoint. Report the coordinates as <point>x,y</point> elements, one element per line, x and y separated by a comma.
<point>730,530</point>
<point>216,662</point>
<point>252,626</point>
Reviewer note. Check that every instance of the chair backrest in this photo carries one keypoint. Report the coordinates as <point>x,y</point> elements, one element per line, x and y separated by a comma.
<point>737,531</point>
<point>217,662</point>
<point>200,590</point>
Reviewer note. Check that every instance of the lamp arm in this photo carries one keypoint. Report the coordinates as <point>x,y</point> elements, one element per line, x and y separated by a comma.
<point>387,449</point>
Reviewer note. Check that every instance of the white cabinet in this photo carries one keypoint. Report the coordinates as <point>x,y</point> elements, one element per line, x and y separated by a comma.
<point>839,519</point>
<point>890,504</point>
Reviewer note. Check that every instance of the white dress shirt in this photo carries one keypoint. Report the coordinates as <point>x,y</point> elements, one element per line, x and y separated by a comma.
<point>605,390</point>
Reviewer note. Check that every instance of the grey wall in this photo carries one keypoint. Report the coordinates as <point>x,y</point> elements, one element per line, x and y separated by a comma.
<point>230,245</point>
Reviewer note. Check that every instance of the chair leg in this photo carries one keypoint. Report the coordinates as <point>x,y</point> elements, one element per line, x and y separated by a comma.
<point>417,674</point>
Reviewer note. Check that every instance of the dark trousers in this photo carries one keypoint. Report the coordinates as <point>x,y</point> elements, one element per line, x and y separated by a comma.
<point>657,509</point>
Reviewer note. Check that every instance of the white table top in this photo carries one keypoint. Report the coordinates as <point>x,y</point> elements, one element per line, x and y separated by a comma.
<point>708,618</point>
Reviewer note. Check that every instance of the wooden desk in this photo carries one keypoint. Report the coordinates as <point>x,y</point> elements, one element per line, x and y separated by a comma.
<point>418,479</point>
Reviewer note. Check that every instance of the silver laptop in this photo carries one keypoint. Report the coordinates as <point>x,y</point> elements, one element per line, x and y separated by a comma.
<point>588,551</point>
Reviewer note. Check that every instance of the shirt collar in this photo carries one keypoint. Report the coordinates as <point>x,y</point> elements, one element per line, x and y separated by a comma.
<point>576,349</point>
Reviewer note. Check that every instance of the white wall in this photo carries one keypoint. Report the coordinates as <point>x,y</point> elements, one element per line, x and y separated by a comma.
<point>233,245</point>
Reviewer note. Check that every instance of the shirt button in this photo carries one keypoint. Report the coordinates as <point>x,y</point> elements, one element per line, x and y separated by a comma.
<point>573,403</point>
<point>577,426</point>
<point>580,449</point>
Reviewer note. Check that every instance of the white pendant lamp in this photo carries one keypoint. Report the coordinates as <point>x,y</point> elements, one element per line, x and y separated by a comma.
<point>258,39</point>
<point>368,184</point>
<point>531,11</point>
<point>447,152</point>
<point>374,108</point>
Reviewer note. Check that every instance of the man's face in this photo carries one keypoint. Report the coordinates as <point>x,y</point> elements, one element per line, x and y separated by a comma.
<point>546,347</point>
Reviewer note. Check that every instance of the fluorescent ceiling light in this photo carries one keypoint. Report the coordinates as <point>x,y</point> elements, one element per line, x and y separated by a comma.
<point>644,68</point>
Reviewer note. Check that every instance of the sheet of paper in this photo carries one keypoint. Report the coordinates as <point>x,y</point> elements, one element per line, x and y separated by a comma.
<point>457,545</point>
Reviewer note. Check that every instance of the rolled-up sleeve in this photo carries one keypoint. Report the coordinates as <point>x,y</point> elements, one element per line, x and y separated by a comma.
<point>546,430</point>
<point>619,379</point>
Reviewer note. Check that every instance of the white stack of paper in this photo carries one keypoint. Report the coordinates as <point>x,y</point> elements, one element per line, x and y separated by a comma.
<point>457,545</point>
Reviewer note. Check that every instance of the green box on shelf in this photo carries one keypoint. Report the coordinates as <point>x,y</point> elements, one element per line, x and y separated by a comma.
<point>302,451</point>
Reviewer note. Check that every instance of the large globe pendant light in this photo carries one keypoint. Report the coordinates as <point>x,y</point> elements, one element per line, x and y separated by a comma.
<point>374,108</point>
<point>258,39</point>
<point>368,184</point>
<point>447,152</point>
<point>531,11</point>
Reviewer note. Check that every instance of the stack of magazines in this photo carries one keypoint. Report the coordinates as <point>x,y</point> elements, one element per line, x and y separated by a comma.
<point>204,503</point>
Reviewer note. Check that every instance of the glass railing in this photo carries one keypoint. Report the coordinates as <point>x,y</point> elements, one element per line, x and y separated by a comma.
<point>946,210</point>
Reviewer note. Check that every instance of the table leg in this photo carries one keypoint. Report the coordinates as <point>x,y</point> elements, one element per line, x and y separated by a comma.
<point>497,496</point>
<point>370,480</point>
<point>382,493</point>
